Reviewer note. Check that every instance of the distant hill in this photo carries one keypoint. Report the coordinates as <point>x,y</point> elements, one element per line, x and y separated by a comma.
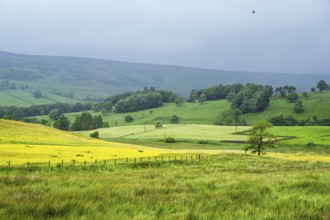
<point>316,104</point>
<point>101,78</point>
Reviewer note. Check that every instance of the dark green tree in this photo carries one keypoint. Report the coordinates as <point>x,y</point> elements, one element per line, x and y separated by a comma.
<point>321,85</point>
<point>292,97</point>
<point>202,98</point>
<point>37,93</point>
<point>128,118</point>
<point>97,122</point>
<point>260,138</point>
<point>179,101</point>
<point>62,123</point>
<point>298,107</point>
<point>95,134</point>
<point>174,119</point>
<point>158,124</point>
<point>55,114</point>
<point>229,117</point>
<point>83,122</point>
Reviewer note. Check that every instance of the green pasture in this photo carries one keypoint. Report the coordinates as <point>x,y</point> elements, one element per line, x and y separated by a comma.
<point>178,131</point>
<point>224,187</point>
<point>316,104</point>
<point>319,135</point>
<point>24,98</point>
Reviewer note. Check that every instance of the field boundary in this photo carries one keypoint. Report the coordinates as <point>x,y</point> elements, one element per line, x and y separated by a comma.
<point>117,161</point>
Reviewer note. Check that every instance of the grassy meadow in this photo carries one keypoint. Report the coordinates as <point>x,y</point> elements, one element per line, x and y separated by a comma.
<point>21,143</point>
<point>223,187</point>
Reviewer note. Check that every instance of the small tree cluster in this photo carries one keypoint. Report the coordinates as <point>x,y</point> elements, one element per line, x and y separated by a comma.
<point>86,121</point>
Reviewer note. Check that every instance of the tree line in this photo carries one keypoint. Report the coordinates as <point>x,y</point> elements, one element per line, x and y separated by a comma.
<point>247,98</point>
<point>139,100</point>
<point>19,113</point>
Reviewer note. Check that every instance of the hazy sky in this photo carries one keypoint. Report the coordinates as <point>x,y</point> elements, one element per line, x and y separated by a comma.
<point>282,36</point>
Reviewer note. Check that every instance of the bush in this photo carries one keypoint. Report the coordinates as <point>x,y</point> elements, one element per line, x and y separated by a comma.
<point>158,124</point>
<point>310,144</point>
<point>202,142</point>
<point>95,134</point>
<point>169,140</point>
<point>129,118</point>
<point>174,119</point>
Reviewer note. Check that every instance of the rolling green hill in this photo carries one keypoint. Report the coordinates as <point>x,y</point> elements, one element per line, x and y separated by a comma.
<point>316,104</point>
<point>101,78</point>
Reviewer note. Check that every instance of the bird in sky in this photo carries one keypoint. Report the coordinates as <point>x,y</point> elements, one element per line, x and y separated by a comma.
<point>253,11</point>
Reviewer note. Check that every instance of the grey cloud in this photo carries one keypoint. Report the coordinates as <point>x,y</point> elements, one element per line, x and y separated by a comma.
<point>283,36</point>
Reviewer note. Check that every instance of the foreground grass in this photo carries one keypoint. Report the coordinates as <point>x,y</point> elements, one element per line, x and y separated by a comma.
<point>225,187</point>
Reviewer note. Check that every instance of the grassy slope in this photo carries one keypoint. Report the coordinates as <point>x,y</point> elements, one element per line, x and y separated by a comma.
<point>21,142</point>
<point>23,98</point>
<point>226,187</point>
<point>207,113</point>
<point>315,104</point>
<point>93,77</point>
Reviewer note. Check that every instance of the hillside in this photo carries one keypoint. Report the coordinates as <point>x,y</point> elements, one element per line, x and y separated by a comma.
<point>101,78</point>
<point>21,142</point>
<point>316,104</point>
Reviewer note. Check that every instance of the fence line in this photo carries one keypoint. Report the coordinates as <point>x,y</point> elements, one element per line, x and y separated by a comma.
<point>115,161</point>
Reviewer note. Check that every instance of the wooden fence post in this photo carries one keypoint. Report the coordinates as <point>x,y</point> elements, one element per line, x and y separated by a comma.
<point>49,163</point>
<point>115,162</point>
<point>28,164</point>
<point>8,163</point>
<point>127,160</point>
<point>62,163</point>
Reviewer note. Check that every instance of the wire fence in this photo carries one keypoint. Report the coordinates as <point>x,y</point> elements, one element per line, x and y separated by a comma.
<point>113,162</point>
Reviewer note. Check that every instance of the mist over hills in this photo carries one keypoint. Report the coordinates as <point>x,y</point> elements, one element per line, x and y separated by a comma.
<point>101,78</point>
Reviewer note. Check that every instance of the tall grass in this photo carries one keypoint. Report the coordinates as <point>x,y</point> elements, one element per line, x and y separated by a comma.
<point>226,187</point>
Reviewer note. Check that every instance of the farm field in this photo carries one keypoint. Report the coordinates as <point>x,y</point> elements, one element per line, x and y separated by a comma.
<point>23,98</point>
<point>21,143</point>
<point>181,131</point>
<point>223,187</point>
<point>319,135</point>
<point>316,104</point>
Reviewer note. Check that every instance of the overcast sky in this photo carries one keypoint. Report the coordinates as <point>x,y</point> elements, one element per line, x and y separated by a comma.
<point>282,36</point>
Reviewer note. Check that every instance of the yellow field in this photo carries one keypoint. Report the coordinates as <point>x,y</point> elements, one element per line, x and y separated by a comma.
<point>21,143</point>
<point>299,157</point>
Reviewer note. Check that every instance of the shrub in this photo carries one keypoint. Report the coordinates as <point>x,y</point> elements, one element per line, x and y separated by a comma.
<point>202,142</point>
<point>310,144</point>
<point>158,124</point>
<point>95,134</point>
<point>174,119</point>
<point>169,140</point>
<point>129,118</point>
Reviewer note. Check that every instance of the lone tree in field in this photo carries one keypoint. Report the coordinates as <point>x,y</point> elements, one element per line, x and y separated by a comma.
<point>260,138</point>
